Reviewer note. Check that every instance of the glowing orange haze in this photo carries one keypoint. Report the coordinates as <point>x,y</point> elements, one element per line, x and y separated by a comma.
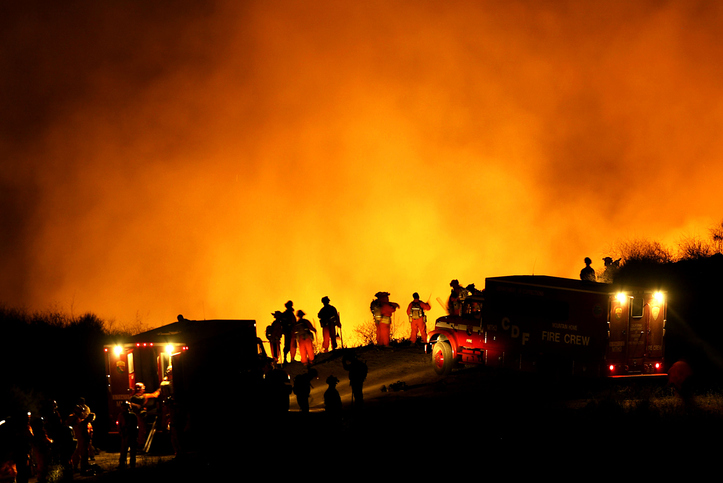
<point>219,162</point>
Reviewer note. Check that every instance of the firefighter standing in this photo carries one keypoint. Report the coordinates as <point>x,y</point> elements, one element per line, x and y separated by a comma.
<point>417,318</point>
<point>332,403</point>
<point>588,273</point>
<point>387,310</point>
<point>287,326</point>
<point>329,321</point>
<point>304,337</point>
<point>273,334</point>
<point>128,429</point>
<point>376,309</point>
<point>611,267</point>
<point>454,304</point>
<point>80,420</point>
<point>357,374</point>
<point>42,449</point>
<point>302,388</point>
<point>21,445</point>
<point>139,405</point>
<point>61,435</point>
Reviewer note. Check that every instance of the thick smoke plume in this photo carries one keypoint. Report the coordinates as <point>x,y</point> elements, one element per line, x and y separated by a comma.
<point>217,159</point>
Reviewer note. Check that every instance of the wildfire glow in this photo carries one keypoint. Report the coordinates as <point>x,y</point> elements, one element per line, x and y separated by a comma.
<point>218,161</point>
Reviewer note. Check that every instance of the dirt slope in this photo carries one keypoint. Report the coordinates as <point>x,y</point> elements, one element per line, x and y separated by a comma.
<point>408,365</point>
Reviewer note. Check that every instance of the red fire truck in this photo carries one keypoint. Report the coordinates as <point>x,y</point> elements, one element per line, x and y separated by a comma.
<point>183,359</point>
<point>530,322</point>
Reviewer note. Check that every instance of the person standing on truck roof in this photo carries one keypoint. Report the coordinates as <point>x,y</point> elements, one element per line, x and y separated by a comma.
<point>304,336</point>
<point>588,273</point>
<point>611,267</point>
<point>454,304</point>
<point>386,310</point>
<point>329,321</point>
<point>417,318</point>
<point>287,323</point>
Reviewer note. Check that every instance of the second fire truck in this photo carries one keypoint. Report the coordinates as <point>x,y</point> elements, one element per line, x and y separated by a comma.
<point>540,323</point>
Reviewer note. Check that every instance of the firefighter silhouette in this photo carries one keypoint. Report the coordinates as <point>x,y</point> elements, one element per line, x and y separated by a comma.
<point>332,401</point>
<point>287,324</point>
<point>357,375</point>
<point>303,334</point>
<point>21,445</point>
<point>303,387</point>
<point>128,428</point>
<point>329,321</point>
<point>61,434</point>
<point>42,449</point>
<point>417,318</point>
<point>456,296</point>
<point>274,333</point>
<point>611,268</point>
<point>587,273</point>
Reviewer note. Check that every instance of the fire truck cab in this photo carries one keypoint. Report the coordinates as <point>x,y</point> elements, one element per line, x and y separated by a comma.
<point>179,359</point>
<point>537,322</point>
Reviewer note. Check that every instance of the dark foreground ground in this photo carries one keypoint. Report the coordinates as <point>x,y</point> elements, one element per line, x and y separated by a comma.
<point>462,426</point>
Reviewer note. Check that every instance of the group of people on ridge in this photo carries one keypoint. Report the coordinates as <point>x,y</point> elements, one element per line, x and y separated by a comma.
<point>299,333</point>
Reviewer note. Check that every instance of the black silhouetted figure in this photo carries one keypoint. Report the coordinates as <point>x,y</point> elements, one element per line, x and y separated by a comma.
<point>332,399</point>
<point>611,267</point>
<point>454,303</point>
<point>357,374</point>
<point>329,321</point>
<point>42,450</point>
<point>63,444</point>
<point>274,333</point>
<point>128,428</point>
<point>587,273</point>
<point>287,325</point>
<point>21,445</point>
<point>302,388</point>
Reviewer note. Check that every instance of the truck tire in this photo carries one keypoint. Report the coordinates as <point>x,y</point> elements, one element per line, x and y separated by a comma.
<point>442,358</point>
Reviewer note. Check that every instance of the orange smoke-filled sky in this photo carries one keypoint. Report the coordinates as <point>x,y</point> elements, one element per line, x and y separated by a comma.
<point>216,159</point>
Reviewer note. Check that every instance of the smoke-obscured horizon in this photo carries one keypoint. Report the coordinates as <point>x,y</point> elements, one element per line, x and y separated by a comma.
<point>216,159</point>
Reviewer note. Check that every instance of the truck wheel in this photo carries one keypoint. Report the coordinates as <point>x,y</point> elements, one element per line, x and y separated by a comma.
<point>442,358</point>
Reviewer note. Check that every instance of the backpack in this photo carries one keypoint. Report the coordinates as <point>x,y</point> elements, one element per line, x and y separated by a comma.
<point>417,312</point>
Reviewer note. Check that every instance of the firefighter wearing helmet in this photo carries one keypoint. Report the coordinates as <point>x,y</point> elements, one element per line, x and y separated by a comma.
<point>383,310</point>
<point>304,338</point>
<point>417,318</point>
<point>329,321</point>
